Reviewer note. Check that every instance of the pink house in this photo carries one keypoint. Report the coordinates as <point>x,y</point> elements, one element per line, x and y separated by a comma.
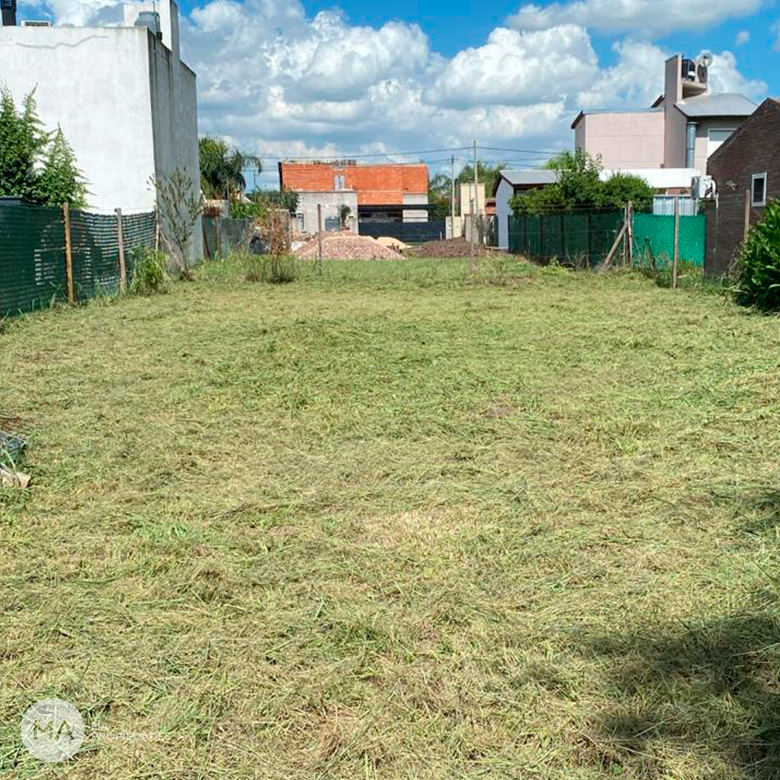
<point>680,130</point>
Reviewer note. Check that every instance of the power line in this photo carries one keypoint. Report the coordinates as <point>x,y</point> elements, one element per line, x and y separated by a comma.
<point>350,156</point>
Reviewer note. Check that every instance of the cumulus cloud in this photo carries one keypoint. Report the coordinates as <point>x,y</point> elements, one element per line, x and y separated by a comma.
<point>635,81</point>
<point>725,77</point>
<point>516,68</point>
<point>742,37</point>
<point>648,17</point>
<point>280,83</point>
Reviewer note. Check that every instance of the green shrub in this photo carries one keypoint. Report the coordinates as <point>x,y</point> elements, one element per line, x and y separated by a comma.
<point>759,264</point>
<point>150,272</point>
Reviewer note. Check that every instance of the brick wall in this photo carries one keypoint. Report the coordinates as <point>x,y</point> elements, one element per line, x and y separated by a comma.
<point>374,184</point>
<point>754,148</point>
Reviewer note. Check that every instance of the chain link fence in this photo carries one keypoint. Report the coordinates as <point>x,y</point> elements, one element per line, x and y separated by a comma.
<point>33,259</point>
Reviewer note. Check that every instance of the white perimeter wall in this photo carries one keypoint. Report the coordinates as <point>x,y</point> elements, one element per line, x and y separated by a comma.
<point>94,83</point>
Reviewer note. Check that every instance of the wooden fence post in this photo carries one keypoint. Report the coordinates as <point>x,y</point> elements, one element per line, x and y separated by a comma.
<point>121,238</point>
<point>630,209</point>
<point>68,253</point>
<point>676,259</point>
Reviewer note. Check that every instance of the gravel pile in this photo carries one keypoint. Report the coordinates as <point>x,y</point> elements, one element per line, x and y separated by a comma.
<point>347,247</point>
<point>450,247</point>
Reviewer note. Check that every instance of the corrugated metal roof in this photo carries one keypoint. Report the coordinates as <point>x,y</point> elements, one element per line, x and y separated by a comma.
<point>726,104</point>
<point>537,176</point>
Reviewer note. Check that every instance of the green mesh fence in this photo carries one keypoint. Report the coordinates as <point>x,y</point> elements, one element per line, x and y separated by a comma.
<point>32,254</point>
<point>585,238</point>
<point>575,238</point>
<point>654,239</point>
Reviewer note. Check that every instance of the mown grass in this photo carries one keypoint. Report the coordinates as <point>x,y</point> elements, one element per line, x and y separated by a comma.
<point>390,522</point>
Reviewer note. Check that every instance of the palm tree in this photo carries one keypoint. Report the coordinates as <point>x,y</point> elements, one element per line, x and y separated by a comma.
<point>221,168</point>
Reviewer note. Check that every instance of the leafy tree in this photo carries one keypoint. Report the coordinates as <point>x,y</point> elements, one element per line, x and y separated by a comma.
<point>221,167</point>
<point>283,199</point>
<point>440,195</point>
<point>60,181</point>
<point>579,186</point>
<point>622,188</point>
<point>487,175</point>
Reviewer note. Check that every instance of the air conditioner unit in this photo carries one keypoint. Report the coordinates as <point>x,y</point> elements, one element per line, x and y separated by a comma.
<point>35,23</point>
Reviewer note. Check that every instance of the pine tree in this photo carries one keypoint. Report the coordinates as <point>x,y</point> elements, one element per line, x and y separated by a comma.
<point>60,181</point>
<point>22,140</point>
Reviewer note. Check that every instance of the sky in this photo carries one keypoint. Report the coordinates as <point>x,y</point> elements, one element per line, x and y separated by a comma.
<point>406,81</point>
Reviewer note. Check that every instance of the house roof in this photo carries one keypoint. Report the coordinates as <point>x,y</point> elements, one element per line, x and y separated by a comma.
<point>530,177</point>
<point>725,104</point>
<point>534,176</point>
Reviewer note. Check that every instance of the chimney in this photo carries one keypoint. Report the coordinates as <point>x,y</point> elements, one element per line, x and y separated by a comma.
<point>9,12</point>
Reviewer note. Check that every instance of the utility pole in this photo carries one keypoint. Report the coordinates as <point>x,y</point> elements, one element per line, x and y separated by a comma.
<point>474,208</point>
<point>452,196</point>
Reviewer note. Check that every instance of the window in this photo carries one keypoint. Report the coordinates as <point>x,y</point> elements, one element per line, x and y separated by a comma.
<point>758,189</point>
<point>717,138</point>
<point>339,182</point>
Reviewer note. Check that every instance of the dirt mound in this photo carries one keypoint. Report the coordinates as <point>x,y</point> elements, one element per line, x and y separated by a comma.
<point>347,247</point>
<point>450,247</point>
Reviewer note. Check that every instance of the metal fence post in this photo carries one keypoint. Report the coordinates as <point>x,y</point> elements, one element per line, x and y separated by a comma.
<point>121,238</point>
<point>68,253</point>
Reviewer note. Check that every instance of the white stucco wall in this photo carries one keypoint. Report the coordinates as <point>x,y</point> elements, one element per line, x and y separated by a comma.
<point>124,100</point>
<point>331,202</point>
<point>94,83</point>
<point>504,194</point>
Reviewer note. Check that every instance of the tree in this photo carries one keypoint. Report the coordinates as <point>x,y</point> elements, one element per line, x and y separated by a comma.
<point>37,166</point>
<point>60,181</point>
<point>440,196</point>
<point>487,175</point>
<point>579,186</point>
<point>22,143</point>
<point>178,207</point>
<point>622,188</point>
<point>222,167</point>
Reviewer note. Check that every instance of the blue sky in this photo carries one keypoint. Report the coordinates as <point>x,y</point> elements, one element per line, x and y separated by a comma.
<point>315,78</point>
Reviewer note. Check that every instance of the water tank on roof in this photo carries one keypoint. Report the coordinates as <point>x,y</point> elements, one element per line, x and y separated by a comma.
<point>689,70</point>
<point>150,20</point>
<point>8,8</point>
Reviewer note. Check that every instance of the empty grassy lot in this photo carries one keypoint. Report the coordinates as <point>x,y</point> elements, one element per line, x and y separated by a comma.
<point>385,523</point>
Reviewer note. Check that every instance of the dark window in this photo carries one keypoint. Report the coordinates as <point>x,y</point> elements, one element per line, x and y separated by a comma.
<point>758,189</point>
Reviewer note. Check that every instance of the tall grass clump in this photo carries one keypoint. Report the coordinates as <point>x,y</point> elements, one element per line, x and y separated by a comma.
<point>150,273</point>
<point>758,273</point>
<point>272,269</point>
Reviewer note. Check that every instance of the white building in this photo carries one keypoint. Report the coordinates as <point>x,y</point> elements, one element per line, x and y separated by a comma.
<point>125,101</point>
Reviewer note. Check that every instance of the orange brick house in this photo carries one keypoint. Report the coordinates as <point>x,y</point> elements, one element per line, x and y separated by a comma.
<point>383,192</point>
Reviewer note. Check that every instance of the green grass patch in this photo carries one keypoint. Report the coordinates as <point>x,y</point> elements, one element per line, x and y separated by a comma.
<point>392,520</point>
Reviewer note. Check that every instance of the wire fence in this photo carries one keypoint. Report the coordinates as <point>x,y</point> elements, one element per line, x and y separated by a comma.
<point>33,257</point>
<point>584,238</point>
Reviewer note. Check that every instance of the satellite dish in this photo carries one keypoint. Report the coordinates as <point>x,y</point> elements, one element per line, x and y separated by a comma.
<point>706,58</point>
